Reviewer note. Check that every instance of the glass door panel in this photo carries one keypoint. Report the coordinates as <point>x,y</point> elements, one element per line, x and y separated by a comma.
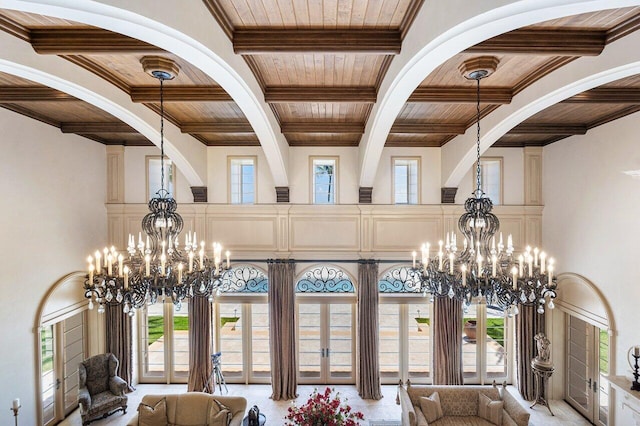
<point>578,358</point>
<point>389,354</point>
<point>48,376</point>
<point>231,324</point>
<point>603,384</point>
<point>469,344</point>
<point>419,342</point>
<point>339,350</point>
<point>496,344</point>
<point>153,340</point>
<point>310,348</point>
<point>180,342</point>
<point>260,361</point>
<point>74,354</point>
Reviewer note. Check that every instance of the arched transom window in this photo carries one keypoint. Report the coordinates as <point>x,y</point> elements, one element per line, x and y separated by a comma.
<point>325,279</point>
<point>244,279</point>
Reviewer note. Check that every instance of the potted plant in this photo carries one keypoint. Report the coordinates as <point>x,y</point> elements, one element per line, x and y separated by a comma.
<point>323,409</point>
<point>470,330</point>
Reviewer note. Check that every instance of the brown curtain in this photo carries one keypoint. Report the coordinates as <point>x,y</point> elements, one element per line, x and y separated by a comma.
<point>447,341</point>
<point>528,323</point>
<point>200,365</point>
<point>282,329</point>
<point>118,340</point>
<point>368,376</point>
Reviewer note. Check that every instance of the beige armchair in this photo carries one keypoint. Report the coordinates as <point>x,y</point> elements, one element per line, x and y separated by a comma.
<point>101,391</point>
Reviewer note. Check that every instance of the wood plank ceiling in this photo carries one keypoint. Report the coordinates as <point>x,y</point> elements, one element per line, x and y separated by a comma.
<point>320,65</point>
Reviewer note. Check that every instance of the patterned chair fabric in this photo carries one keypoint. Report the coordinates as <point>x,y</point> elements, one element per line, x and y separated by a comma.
<point>101,391</point>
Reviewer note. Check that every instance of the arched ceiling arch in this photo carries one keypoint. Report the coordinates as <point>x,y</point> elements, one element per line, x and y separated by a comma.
<point>619,60</point>
<point>191,35</point>
<point>19,59</point>
<point>437,35</point>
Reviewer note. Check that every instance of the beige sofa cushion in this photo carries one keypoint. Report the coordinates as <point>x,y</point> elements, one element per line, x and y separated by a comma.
<point>219,414</point>
<point>490,410</point>
<point>153,415</point>
<point>430,406</point>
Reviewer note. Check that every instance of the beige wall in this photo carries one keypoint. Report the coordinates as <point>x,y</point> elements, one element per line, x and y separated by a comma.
<point>53,191</point>
<point>591,220</point>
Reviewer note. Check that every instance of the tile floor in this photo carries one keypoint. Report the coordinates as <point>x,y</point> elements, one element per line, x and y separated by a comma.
<point>385,409</point>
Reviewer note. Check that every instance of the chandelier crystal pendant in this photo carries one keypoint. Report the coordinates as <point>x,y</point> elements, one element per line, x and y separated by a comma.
<point>155,266</point>
<point>484,267</point>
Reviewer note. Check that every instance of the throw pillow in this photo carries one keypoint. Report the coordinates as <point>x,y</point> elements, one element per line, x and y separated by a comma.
<point>490,410</point>
<point>219,414</point>
<point>153,416</point>
<point>431,408</point>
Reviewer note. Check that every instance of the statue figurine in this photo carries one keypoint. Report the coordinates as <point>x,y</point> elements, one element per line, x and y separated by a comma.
<point>544,350</point>
<point>254,416</point>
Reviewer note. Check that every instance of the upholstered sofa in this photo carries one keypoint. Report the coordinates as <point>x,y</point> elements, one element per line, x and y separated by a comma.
<point>189,409</point>
<point>460,405</point>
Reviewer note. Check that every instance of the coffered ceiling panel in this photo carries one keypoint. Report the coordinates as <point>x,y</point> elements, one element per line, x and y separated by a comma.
<point>440,112</point>
<point>339,112</point>
<point>32,20</point>
<point>202,111</point>
<point>321,69</point>
<point>511,71</point>
<point>603,20</point>
<point>323,139</point>
<point>417,140</point>
<point>72,111</point>
<point>127,68</point>
<point>12,80</point>
<point>566,113</point>
<point>328,14</point>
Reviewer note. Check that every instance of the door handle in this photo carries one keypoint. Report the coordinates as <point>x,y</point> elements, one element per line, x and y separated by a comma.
<point>322,352</point>
<point>57,384</point>
<point>595,387</point>
<point>589,382</point>
<point>327,352</point>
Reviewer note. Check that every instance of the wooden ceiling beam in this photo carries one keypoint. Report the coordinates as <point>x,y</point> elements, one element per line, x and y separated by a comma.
<point>461,95</point>
<point>96,127</point>
<point>433,128</point>
<point>545,42</point>
<point>607,95</point>
<point>66,41</point>
<point>255,42</point>
<point>548,129</point>
<point>323,127</point>
<point>216,127</point>
<point>144,94</point>
<point>347,94</point>
<point>9,94</point>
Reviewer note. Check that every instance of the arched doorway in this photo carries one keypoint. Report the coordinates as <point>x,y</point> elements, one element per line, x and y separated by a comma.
<point>61,341</point>
<point>582,333</point>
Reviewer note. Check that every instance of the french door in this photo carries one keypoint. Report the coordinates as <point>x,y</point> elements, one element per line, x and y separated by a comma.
<point>587,367</point>
<point>164,343</point>
<point>62,349</point>
<point>326,343</point>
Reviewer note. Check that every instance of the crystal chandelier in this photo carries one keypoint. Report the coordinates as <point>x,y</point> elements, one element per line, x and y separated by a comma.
<point>156,266</point>
<point>484,267</point>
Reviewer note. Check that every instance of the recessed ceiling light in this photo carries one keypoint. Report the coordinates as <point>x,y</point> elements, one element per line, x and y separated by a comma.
<point>633,173</point>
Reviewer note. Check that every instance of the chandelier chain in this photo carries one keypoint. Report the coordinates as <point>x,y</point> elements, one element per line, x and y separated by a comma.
<point>161,134</point>
<point>478,136</point>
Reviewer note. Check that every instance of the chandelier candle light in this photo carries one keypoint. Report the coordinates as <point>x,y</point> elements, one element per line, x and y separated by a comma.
<point>485,267</point>
<point>156,266</point>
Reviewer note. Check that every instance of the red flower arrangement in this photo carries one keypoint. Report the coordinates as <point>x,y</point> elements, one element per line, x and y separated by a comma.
<point>323,409</point>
